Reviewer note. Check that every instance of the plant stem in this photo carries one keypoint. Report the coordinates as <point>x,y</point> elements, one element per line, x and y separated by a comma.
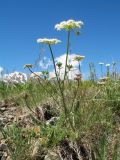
<point>59,74</point>
<point>101,71</point>
<point>62,89</point>
<point>58,80</point>
<point>53,62</point>
<point>108,71</point>
<point>79,68</point>
<point>68,44</point>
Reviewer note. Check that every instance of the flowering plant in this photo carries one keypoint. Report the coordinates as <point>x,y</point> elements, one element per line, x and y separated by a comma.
<point>60,90</point>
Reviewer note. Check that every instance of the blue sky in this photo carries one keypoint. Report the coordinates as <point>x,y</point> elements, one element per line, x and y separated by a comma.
<point>24,21</point>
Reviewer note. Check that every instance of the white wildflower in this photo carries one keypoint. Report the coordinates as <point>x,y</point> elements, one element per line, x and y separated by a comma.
<point>48,41</point>
<point>79,58</point>
<point>101,63</point>
<point>70,24</point>
<point>28,66</point>
<point>107,65</point>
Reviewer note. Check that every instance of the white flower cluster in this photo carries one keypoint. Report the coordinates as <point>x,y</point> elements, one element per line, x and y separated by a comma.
<point>70,24</point>
<point>48,41</point>
<point>79,58</point>
<point>107,65</point>
<point>15,77</point>
<point>101,63</point>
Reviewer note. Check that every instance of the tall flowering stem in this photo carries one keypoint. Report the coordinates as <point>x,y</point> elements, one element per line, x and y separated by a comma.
<point>59,65</point>
<point>114,70</point>
<point>79,67</point>
<point>58,80</point>
<point>79,59</point>
<point>53,62</point>
<point>108,70</point>
<point>101,68</point>
<point>68,45</point>
<point>61,89</point>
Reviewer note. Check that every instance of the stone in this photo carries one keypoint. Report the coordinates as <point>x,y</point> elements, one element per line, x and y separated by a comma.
<point>4,157</point>
<point>3,109</point>
<point>8,158</point>
<point>52,155</point>
<point>3,147</point>
<point>1,154</point>
<point>10,117</point>
<point>52,121</point>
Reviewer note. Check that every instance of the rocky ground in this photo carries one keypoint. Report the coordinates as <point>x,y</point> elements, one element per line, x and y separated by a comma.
<point>11,112</point>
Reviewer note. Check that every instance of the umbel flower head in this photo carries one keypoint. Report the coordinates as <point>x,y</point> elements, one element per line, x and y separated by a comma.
<point>107,65</point>
<point>101,63</point>
<point>59,65</point>
<point>48,41</point>
<point>69,67</point>
<point>28,66</point>
<point>114,63</point>
<point>79,58</point>
<point>70,24</point>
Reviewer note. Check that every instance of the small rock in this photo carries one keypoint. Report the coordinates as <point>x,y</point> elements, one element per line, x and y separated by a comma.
<point>1,154</point>
<point>10,117</point>
<point>52,121</point>
<point>3,147</point>
<point>8,158</point>
<point>4,157</point>
<point>3,109</point>
<point>39,113</point>
<point>52,156</point>
<point>3,120</point>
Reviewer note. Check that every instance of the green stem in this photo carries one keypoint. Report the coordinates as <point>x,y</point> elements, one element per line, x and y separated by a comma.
<point>108,71</point>
<point>61,90</point>
<point>59,74</point>
<point>68,45</point>
<point>54,63</point>
<point>101,71</point>
<point>79,68</point>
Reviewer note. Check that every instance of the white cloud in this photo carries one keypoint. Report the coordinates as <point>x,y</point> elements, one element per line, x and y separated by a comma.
<point>52,74</point>
<point>62,59</point>
<point>45,63</point>
<point>71,61</point>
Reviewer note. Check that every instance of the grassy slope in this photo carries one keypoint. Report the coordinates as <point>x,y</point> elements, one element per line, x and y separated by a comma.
<point>95,117</point>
